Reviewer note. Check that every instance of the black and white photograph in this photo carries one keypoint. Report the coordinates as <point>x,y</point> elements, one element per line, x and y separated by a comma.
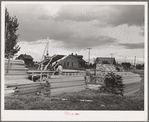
<point>74,61</point>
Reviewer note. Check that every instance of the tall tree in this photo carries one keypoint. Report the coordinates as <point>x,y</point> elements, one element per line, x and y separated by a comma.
<point>11,27</point>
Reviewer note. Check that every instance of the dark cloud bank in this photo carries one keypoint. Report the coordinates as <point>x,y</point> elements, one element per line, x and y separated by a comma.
<point>133,46</point>
<point>42,26</point>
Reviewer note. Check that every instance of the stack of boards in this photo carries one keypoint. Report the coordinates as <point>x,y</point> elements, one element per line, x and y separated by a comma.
<point>131,80</point>
<point>65,84</point>
<point>16,80</point>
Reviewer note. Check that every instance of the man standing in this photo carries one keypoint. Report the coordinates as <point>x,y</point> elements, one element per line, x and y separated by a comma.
<point>60,69</point>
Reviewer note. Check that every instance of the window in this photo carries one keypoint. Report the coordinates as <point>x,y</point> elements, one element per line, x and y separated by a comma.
<point>72,64</point>
<point>68,64</point>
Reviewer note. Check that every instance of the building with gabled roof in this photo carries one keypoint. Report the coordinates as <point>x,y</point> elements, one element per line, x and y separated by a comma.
<point>66,61</point>
<point>28,60</point>
<point>105,60</point>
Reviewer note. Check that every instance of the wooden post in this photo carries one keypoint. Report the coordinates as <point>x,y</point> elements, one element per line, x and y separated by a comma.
<point>32,76</point>
<point>41,73</point>
<point>95,69</point>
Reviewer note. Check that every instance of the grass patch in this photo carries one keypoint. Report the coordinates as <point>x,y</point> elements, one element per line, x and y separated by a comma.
<point>100,102</point>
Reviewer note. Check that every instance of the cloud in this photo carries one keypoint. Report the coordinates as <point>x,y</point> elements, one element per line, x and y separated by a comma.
<point>70,34</point>
<point>141,33</point>
<point>89,41</point>
<point>128,14</point>
<point>79,26</point>
<point>132,46</point>
<point>113,15</point>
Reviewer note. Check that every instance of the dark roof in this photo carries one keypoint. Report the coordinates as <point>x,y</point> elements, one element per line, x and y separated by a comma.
<point>112,60</point>
<point>25,56</point>
<point>57,57</point>
<point>79,58</point>
<point>54,58</point>
<point>105,58</point>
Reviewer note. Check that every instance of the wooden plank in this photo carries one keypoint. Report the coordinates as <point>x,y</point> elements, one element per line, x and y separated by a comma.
<point>67,88</point>
<point>62,79</point>
<point>39,71</point>
<point>55,86</point>
<point>15,63</point>
<point>27,90</point>
<point>130,81</point>
<point>67,81</point>
<point>23,84</point>
<point>131,90</point>
<point>9,89</point>
<point>126,77</point>
<point>28,86</point>
<point>9,92</point>
<point>17,72</point>
<point>129,85</point>
<point>9,82</point>
<point>24,93</point>
<point>129,78</point>
<point>18,69</point>
<point>15,76</point>
<point>74,89</point>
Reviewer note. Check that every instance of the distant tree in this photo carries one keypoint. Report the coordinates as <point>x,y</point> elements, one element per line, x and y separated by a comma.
<point>94,65</point>
<point>143,66</point>
<point>126,65</point>
<point>90,65</point>
<point>11,27</point>
<point>139,66</point>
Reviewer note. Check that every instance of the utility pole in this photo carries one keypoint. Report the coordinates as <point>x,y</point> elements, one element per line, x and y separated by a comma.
<point>135,61</point>
<point>143,57</point>
<point>89,55</point>
<point>111,58</point>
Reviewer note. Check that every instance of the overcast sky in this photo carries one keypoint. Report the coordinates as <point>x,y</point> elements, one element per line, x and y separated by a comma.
<point>72,28</point>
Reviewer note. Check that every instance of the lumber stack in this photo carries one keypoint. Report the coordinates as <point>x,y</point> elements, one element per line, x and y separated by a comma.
<point>129,77</point>
<point>65,84</point>
<point>16,80</point>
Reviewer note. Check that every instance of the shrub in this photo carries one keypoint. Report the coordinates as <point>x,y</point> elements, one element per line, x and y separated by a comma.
<point>45,89</point>
<point>138,66</point>
<point>113,84</point>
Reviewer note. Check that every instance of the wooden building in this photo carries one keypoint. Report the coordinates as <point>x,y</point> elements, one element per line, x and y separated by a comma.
<point>28,60</point>
<point>66,61</point>
<point>105,60</point>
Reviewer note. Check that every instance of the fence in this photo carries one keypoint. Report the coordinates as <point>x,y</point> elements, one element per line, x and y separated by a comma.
<point>48,73</point>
